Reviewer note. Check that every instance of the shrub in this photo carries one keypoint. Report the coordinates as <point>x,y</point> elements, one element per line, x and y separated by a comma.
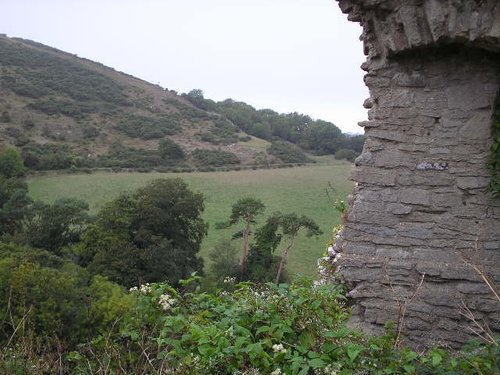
<point>52,156</point>
<point>346,154</point>
<point>169,150</point>
<point>147,127</point>
<point>52,299</point>
<point>288,153</point>
<point>215,158</point>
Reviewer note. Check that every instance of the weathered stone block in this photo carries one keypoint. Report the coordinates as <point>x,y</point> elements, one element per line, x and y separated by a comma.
<point>415,196</point>
<point>468,96</point>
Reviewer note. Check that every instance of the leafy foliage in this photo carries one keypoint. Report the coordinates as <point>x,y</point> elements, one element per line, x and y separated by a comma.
<point>14,199</point>
<point>153,234</point>
<point>122,156</point>
<point>11,163</point>
<point>346,154</point>
<point>53,226</point>
<point>169,150</point>
<point>53,299</point>
<point>224,261</point>
<point>285,329</point>
<point>38,73</point>
<point>288,153</point>
<point>216,158</point>
<point>147,127</point>
<point>52,156</point>
<point>244,210</point>
<point>320,137</point>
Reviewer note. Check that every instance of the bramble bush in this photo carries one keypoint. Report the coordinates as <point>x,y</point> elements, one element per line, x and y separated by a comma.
<point>251,329</point>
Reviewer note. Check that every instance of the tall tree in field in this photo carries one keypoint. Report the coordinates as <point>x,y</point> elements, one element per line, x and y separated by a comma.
<point>290,225</point>
<point>245,210</point>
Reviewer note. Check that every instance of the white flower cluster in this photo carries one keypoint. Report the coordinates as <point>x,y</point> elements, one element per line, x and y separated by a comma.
<point>326,264</point>
<point>166,302</point>
<point>144,289</point>
<point>278,348</point>
<point>229,280</point>
<point>331,369</point>
<point>276,372</point>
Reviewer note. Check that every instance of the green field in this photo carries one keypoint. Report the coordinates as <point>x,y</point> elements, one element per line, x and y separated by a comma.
<point>301,190</point>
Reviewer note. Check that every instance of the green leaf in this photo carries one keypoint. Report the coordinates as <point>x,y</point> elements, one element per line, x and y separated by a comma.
<point>436,358</point>
<point>353,352</point>
<point>410,369</point>
<point>263,329</point>
<point>317,363</point>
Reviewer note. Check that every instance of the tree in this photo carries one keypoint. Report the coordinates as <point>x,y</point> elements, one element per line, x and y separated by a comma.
<point>153,234</point>
<point>14,200</point>
<point>14,204</point>
<point>11,163</point>
<point>245,210</point>
<point>53,226</point>
<point>169,150</point>
<point>224,260</point>
<point>290,225</point>
<point>262,264</point>
<point>346,154</point>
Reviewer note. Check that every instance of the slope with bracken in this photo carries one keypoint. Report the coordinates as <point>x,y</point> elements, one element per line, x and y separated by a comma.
<point>62,110</point>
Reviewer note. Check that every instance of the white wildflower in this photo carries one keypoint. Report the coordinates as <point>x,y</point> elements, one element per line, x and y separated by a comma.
<point>331,251</point>
<point>133,289</point>
<point>278,348</point>
<point>229,280</point>
<point>166,302</point>
<point>276,372</point>
<point>145,288</point>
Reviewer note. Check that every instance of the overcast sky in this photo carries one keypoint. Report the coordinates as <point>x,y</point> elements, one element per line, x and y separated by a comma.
<point>287,55</point>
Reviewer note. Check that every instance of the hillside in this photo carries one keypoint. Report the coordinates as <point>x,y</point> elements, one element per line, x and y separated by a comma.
<point>63,111</point>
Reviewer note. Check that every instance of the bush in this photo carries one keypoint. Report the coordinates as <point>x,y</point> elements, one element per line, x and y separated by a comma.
<point>346,154</point>
<point>129,157</point>
<point>53,298</point>
<point>52,156</point>
<point>288,153</point>
<point>149,235</point>
<point>147,127</point>
<point>285,329</point>
<point>216,158</point>
<point>169,150</point>
<point>11,163</point>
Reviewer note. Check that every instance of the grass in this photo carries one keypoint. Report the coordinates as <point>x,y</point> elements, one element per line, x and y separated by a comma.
<point>301,190</point>
<point>256,143</point>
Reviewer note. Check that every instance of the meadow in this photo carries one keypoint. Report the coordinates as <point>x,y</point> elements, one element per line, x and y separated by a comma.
<point>302,190</point>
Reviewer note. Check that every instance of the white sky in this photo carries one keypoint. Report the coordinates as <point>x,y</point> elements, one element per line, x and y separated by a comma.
<point>287,55</point>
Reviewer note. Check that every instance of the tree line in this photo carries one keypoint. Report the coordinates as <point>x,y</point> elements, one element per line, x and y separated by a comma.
<point>317,136</point>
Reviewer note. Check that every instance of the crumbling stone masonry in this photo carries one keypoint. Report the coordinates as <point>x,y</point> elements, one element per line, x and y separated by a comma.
<point>420,206</point>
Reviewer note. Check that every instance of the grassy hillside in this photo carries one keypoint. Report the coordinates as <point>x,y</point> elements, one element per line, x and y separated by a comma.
<point>64,111</point>
<point>301,190</point>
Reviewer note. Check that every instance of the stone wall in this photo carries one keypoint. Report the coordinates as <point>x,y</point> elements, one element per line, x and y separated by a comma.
<point>420,219</point>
